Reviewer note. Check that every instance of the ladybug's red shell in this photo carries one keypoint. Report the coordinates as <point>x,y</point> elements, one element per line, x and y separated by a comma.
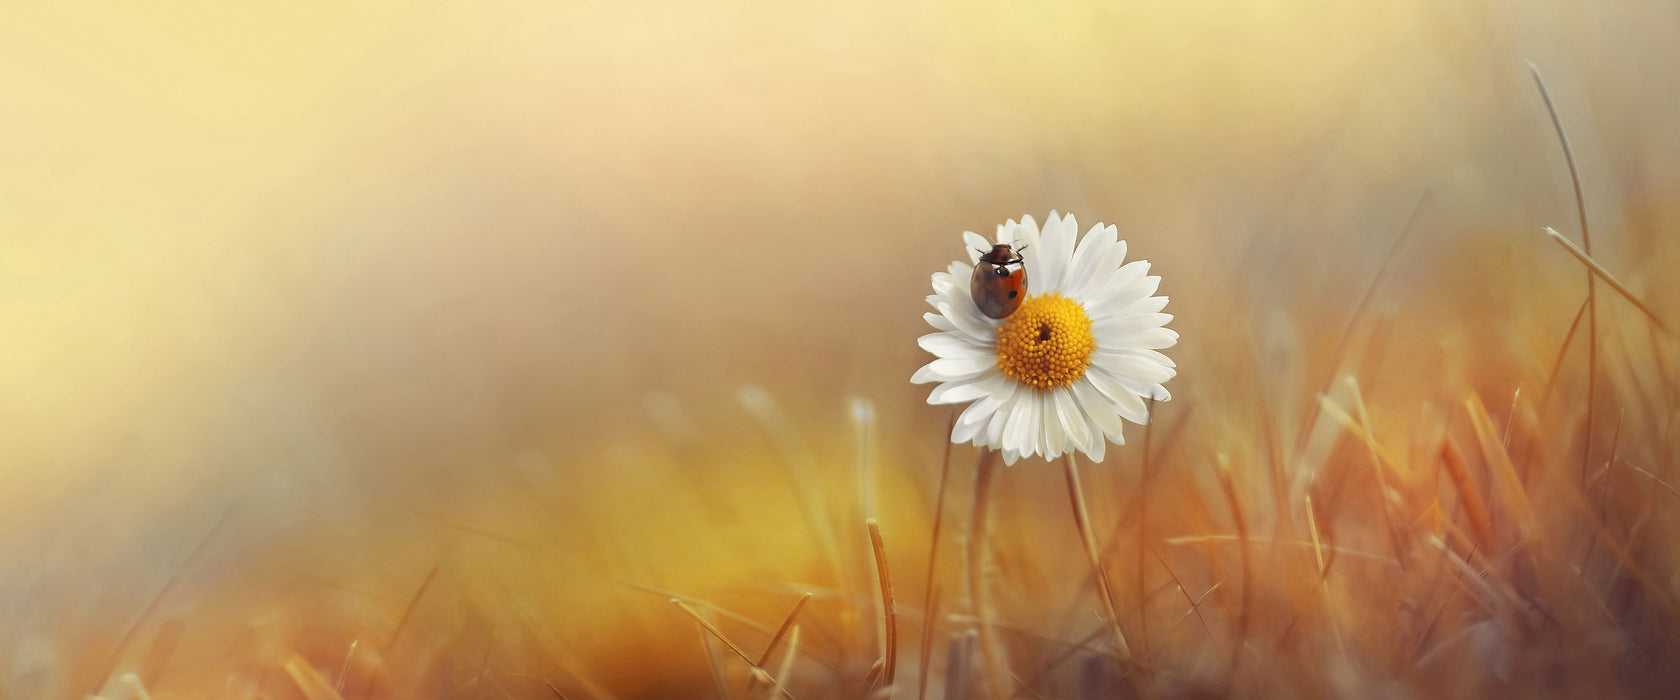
<point>999,283</point>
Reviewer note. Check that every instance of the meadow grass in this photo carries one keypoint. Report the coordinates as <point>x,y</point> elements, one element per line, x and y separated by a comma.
<point>1500,538</point>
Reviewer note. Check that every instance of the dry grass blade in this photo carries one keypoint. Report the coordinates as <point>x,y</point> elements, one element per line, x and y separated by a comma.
<point>1353,321</point>
<point>1082,520</point>
<point>1507,485</point>
<point>1318,545</point>
<point>714,665</point>
<point>996,666</point>
<point>151,606</point>
<point>1358,430</point>
<point>928,588</point>
<point>1324,577</point>
<point>1143,529</point>
<point>930,615</point>
<point>717,633</point>
<point>959,666</point>
<point>1568,152</point>
<point>785,670</point>
<point>1657,592</point>
<point>1468,493</point>
<point>889,607</point>
<point>782,631</point>
<point>743,619</point>
<point>136,688</point>
<point>1490,595</point>
<point>1585,253</point>
<point>1557,364</point>
<point>344,671</point>
<point>1195,605</point>
<point>1395,535</point>
<point>1244,539</point>
<point>413,602</point>
<point>1596,269</point>
<point>1235,503</point>
<point>309,681</point>
<point>1653,477</point>
<point>479,531</point>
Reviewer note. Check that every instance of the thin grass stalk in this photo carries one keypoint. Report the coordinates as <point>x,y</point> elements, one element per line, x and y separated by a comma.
<point>928,589</point>
<point>1235,504</point>
<point>991,645</point>
<point>1082,519</point>
<point>1586,245</point>
<point>1143,529</point>
<point>889,607</point>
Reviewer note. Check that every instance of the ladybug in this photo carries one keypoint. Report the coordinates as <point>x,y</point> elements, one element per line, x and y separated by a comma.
<point>998,290</point>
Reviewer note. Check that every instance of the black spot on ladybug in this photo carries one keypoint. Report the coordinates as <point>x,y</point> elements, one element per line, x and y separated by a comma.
<point>1012,293</point>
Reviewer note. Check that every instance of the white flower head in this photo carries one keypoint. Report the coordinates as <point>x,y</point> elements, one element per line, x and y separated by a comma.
<point>1081,352</point>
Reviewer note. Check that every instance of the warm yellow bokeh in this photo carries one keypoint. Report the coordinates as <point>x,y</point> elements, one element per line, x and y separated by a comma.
<point>389,288</point>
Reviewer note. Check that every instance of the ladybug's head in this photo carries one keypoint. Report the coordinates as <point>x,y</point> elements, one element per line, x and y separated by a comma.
<point>1001,254</point>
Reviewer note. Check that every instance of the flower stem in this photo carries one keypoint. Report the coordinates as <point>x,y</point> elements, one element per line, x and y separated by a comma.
<point>997,662</point>
<point>1082,520</point>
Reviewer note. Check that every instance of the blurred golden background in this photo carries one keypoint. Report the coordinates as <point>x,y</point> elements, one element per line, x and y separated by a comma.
<point>437,325</point>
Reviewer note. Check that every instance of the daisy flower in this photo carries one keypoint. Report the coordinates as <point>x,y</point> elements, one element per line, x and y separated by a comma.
<point>1080,353</point>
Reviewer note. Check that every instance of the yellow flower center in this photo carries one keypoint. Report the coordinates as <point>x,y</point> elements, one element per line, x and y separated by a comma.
<point>1046,343</point>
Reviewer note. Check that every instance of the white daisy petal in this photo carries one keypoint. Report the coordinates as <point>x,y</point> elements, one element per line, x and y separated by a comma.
<point>1000,421</point>
<point>1052,258</point>
<point>969,322</point>
<point>1133,366</point>
<point>1053,438</point>
<point>1100,447</point>
<point>1141,389</point>
<point>951,292</point>
<point>1150,339</point>
<point>938,321</point>
<point>960,391</point>
<point>1146,305</point>
<point>1026,236</point>
<point>975,419</point>
<point>1060,242</point>
<point>1098,409</point>
<point>1109,264</point>
<point>1018,433</point>
<point>1073,420</point>
<point>1128,325</point>
<point>1121,281</point>
<point>991,384</point>
<point>1122,298</point>
<point>1126,403</point>
<point>976,244</point>
<point>952,345</point>
<point>1092,251</point>
<point>1154,356</point>
<point>961,366</point>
